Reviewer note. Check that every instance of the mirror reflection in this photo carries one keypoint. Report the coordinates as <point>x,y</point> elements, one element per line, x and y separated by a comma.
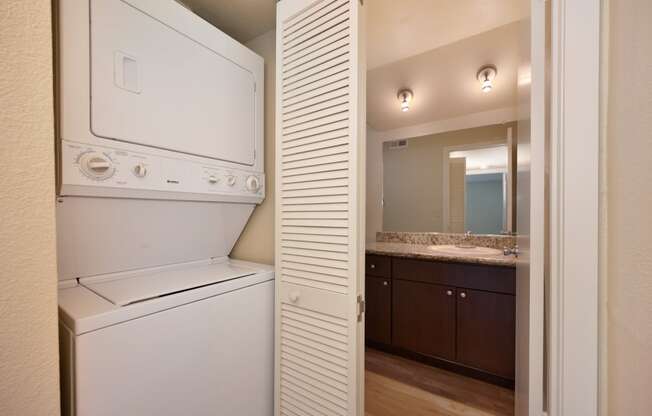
<point>455,181</point>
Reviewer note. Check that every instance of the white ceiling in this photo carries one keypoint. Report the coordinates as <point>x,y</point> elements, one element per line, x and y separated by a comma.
<point>243,20</point>
<point>399,29</point>
<point>434,47</point>
<point>395,29</point>
<point>444,81</point>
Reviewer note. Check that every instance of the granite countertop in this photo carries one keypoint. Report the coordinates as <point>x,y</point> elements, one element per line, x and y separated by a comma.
<point>421,251</point>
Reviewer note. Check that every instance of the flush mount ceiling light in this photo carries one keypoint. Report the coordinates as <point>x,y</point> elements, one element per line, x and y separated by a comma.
<point>486,75</point>
<point>405,96</point>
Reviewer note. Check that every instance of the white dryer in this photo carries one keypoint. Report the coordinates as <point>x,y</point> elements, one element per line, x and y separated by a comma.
<point>160,165</point>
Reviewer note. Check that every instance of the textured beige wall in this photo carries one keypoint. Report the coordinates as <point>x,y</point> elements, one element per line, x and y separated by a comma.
<point>629,209</point>
<point>257,241</point>
<point>413,177</point>
<point>29,382</point>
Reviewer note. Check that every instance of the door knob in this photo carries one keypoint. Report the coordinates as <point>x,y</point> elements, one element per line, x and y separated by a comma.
<point>372,266</point>
<point>385,283</point>
<point>449,293</point>
<point>294,297</point>
<point>463,295</point>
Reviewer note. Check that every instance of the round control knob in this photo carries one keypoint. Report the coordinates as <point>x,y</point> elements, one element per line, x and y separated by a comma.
<point>253,183</point>
<point>213,179</point>
<point>96,165</point>
<point>230,180</point>
<point>140,170</point>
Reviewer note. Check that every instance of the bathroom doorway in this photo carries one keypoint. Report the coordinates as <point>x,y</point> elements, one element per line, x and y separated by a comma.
<point>446,115</point>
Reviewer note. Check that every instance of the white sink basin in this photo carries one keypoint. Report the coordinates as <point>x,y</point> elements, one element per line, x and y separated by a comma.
<point>465,251</point>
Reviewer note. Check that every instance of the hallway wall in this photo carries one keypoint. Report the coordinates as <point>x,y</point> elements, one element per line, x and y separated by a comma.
<point>29,380</point>
<point>629,207</point>
<point>257,240</point>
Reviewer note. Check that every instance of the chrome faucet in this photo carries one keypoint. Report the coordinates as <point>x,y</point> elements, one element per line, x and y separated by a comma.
<point>466,241</point>
<point>514,250</point>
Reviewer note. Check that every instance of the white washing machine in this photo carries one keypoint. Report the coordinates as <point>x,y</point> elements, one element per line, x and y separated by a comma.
<point>192,339</point>
<point>160,165</point>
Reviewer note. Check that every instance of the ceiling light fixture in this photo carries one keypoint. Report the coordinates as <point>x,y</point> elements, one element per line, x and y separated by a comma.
<point>405,96</point>
<point>486,75</point>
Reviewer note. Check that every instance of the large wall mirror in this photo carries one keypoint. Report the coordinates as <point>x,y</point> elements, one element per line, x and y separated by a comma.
<point>455,181</point>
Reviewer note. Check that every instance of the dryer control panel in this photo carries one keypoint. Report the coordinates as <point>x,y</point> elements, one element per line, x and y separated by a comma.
<point>109,172</point>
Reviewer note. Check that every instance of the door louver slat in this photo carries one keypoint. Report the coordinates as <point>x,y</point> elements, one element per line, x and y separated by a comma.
<point>335,61</point>
<point>310,18</point>
<point>315,55</point>
<point>318,91</point>
<point>328,21</point>
<point>329,239</point>
<point>326,120</point>
<point>324,167</point>
<point>333,174</point>
<point>312,215</point>
<point>326,76</point>
<point>320,384</point>
<point>315,115</point>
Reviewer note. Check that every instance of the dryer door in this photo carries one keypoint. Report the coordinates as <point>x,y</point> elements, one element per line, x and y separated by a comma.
<point>152,84</point>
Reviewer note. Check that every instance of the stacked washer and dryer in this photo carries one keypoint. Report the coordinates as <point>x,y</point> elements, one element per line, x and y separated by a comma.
<point>160,151</point>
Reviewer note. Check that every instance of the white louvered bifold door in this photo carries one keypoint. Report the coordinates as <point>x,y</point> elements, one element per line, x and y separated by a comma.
<point>319,205</point>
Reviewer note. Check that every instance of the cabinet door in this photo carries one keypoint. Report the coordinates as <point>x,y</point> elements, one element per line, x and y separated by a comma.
<point>379,266</point>
<point>486,331</point>
<point>424,318</point>
<point>378,326</point>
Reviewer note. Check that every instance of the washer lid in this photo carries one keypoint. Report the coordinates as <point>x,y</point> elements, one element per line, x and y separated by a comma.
<point>128,288</point>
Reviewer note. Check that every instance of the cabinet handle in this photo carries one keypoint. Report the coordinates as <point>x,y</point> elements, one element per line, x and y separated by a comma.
<point>372,266</point>
<point>449,293</point>
<point>463,295</point>
<point>385,283</point>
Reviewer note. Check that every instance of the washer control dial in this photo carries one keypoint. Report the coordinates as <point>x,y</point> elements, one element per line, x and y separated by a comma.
<point>96,165</point>
<point>140,170</point>
<point>253,183</point>
<point>231,180</point>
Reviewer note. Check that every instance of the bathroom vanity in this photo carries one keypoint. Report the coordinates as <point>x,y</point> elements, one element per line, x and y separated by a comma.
<point>452,311</point>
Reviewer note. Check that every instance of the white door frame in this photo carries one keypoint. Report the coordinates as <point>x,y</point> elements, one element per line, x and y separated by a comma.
<point>574,220</point>
<point>572,388</point>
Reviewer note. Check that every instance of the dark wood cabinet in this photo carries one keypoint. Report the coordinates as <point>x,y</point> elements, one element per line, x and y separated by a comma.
<point>378,322</point>
<point>455,315</point>
<point>379,266</point>
<point>424,318</point>
<point>485,331</point>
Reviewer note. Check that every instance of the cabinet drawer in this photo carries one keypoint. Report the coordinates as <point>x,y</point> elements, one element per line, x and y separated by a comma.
<point>379,266</point>
<point>470,276</point>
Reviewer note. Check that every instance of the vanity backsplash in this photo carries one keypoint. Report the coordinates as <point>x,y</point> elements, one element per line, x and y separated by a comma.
<point>493,241</point>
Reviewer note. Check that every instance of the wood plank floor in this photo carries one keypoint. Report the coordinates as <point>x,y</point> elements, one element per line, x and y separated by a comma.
<point>399,387</point>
